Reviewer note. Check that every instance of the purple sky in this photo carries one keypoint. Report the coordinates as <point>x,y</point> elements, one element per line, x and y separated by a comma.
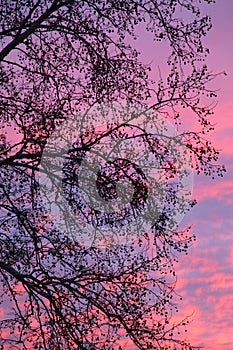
<point>206,274</point>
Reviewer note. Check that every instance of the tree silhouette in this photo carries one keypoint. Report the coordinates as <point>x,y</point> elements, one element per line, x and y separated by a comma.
<point>58,59</point>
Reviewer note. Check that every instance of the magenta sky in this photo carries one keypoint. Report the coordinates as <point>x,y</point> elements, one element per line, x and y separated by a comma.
<point>206,274</point>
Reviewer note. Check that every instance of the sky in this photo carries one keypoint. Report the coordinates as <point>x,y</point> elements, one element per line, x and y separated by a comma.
<point>205,276</point>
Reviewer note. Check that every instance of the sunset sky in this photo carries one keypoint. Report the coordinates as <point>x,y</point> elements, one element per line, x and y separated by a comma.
<point>206,274</point>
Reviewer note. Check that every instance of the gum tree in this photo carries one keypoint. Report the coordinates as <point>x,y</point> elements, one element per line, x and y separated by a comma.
<point>57,58</point>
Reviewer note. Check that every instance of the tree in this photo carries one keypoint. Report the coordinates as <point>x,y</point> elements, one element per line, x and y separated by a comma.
<point>58,58</point>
